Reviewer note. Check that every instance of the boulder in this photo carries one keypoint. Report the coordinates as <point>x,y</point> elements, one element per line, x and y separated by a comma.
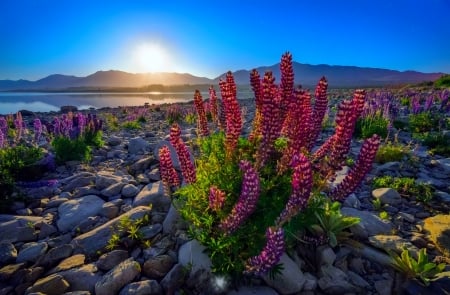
<point>73,212</point>
<point>153,194</point>
<point>387,196</point>
<point>438,228</point>
<point>290,280</point>
<point>118,277</point>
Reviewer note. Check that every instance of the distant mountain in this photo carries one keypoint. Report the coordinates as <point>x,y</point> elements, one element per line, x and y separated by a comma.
<point>305,74</point>
<point>340,76</point>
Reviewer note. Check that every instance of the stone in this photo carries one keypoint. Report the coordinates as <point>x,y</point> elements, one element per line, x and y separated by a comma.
<point>96,239</point>
<point>52,285</point>
<point>393,243</point>
<point>109,210</point>
<point>352,201</point>
<point>9,270</point>
<point>153,194</point>
<point>445,197</point>
<point>114,140</point>
<point>18,228</point>
<point>141,165</point>
<point>79,182</point>
<point>73,212</point>
<point>46,230</point>
<point>30,252</point>
<point>154,175</point>
<point>70,262</point>
<point>84,191</point>
<point>108,260</point>
<point>104,179</point>
<point>150,231</point>
<point>427,179</point>
<point>174,279</point>
<point>147,287</point>
<point>387,196</point>
<point>369,224</point>
<point>118,277</point>
<point>357,280</point>
<point>171,221</point>
<point>8,253</point>
<point>173,153</point>
<point>157,267</point>
<point>325,255</point>
<point>384,287</point>
<point>407,217</point>
<point>55,255</point>
<point>129,190</point>
<point>253,290</point>
<point>82,278</point>
<point>113,190</point>
<point>192,255</point>
<point>310,282</point>
<point>55,202</point>
<point>138,145</point>
<point>290,280</point>
<point>335,281</point>
<point>438,228</point>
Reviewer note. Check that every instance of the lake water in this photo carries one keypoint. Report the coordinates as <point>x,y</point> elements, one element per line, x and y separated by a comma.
<point>11,102</point>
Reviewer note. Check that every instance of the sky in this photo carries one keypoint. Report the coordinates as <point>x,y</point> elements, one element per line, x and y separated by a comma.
<point>208,38</point>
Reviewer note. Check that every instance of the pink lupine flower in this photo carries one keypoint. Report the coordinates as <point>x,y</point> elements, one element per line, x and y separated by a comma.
<point>216,198</point>
<point>214,105</point>
<point>360,169</point>
<point>37,129</point>
<point>301,188</point>
<point>320,108</point>
<point>19,125</point>
<point>187,167</point>
<point>270,254</point>
<point>168,174</point>
<point>286,84</point>
<point>201,114</point>
<point>255,82</point>
<point>4,125</point>
<point>248,198</point>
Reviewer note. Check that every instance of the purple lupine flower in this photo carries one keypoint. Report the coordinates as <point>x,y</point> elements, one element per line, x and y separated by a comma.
<point>428,102</point>
<point>248,198</point>
<point>216,198</point>
<point>168,174</point>
<point>444,99</point>
<point>301,188</point>
<point>19,126</point>
<point>4,126</point>
<point>187,167</point>
<point>37,129</point>
<point>2,139</point>
<point>415,104</point>
<point>359,170</point>
<point>270,254</point>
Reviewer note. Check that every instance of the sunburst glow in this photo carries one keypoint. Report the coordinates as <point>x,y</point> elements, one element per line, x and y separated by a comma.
<point>151,57</point>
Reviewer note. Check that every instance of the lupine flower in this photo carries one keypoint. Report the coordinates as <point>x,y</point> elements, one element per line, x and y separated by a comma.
<point>428,102</point>
<point>270,254</point>
<point>301,188</point>
<point>202,121</point>
<point>214,105</point>
<point>444,99</point>
<point>286,83</point>
<point>255,82</point>
<point>187,167</point>
<point>320,108</point>
<point>19,125</point>
<point>248,198</point>
<point>168,174</point>
<point>4,125</point>
<point>2,139</point>
<point>415,105</point>
<point>360,169</point>
<point>37,129</point>
<point>216,198</point>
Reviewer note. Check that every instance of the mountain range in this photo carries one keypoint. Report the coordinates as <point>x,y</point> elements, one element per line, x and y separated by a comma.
<point>305,74</point>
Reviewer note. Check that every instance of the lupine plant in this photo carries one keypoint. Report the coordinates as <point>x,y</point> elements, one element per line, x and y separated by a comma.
<point>247,198</point>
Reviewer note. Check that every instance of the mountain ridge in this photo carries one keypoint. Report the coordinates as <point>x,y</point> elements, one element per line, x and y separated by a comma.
<point>304,74</point>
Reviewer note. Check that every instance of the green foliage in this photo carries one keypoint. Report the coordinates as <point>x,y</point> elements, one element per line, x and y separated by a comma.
<point>405,101</point>
<point>112,123</point>
<point>331,222</point>
<point>438,142</point>
<point>421,268</point>
<point>132,125</point>
<point>443,81</point>
<point>391,152</point>
<point>190,118</point>
<point>370,125</point>
<point>94,139</point>
<point>67,149</point>
<point>376,202</point>
<point>130,229</point>
<point>401,125</point>
<point>406,186</point>
<point>384,215</point>
<point>423,122</point>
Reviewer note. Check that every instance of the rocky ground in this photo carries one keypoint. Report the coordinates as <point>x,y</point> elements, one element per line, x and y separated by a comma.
<point>56,243</point>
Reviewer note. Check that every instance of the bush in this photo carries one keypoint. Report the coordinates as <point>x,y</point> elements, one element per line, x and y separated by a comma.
<point>370,125</point>
<point>132,125</point>
<point>438,142</point>
<point>406,186</point>
<point>423,122</point>
<point>391,153</point>
<point>67,149</point>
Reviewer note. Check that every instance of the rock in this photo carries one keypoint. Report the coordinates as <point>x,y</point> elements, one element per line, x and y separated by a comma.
<point>84,191</point>
<point>68,263</point>
<point>335,281</point>
<point>352,201</point>
<point>18,228</point>
<point>387,196</point>
<point>8,253</point>
<point>192,255</point>
<point>8,271</point>
<point>111,259</point>
<point>384,287</point>
<point>394,243</point>
<point>172,220</point>
<point>73,212</point>
<point>52,285</point>
<point>438,229</point>
<point>253,290</point>
<point>30,252</point>
<point>174,279</point>
<point>82,278</point>
<point>173,153</point>
<point>79,182</point>
<point>406,216</point>
<point>154,175</point>
<point>55,202</point>
<point>129,190</point>
<point>46,230</point>
<point>90,242</point>
<point>439,184</point>
<point>290,280</point>
<point>147,287</point>
<point>137,145</point>
<point>157,267</point>
<point>114,140</point>
<point>370,224</point>
<point>141,165</point>
<point>109,210</point>
<point>325,255</point>
<point>357,280</point>
<point>104,179</point>
<point>67,109</point>
<point>150,231</point>
<point>54,255</point>
<point>153,193</point>
<point>310,282</point>
<point>118,277</point>
<point>113,190</point>
<point>445,197</point>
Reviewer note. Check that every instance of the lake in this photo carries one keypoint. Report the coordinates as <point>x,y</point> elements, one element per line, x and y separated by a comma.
<point>11,102</point>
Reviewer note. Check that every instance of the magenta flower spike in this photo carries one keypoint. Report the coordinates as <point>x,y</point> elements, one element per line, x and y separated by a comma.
<point>4,125</point>
<point>248,198</point>
<point>360,169</point>
<point>37,129</point>
<point>270,254</point>
<point>216,198</point>
<point>214,105</point>
<point>320,108</point>
<point>201,114</point>
<point>168,174</point>
<point>187,167</point>
<point>2,139</point>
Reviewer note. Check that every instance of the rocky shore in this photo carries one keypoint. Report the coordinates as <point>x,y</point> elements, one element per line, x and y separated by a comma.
<point>57,242</point>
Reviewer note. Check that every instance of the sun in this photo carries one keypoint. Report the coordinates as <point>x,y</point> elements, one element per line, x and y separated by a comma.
<point>151,57</point>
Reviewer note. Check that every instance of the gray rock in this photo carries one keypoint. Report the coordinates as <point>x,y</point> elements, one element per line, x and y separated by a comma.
<point>310,282</point>
<point>108,260</point>
<point>150,231</point>
<point>52,285</point>
<point>335,281</point>
<point>141,165</point>
<point>129,190</point>
<point>79,182</point>
<point>147,287</point>
<point>406,216</point>
<point>55,255</point>
<point>118,277</point>
<point>138,145</point>
<point>153,193</point>
<point>73,212</point>
<point>8,253</point>
<point>174,279</point>
<point>84,191</point>
<point>109,210</point>
<point>82,278</point>
<point>290,280</point>
<point>439,184</point>
<point>370,224</point>
<point>103,179</point>
<point>357,280</point>
<point>98,238</point>
<point>325,255</point>
<point>172,221</point>
<point>157,267</point>
<point>30,252</point>
<point>46,230</point>
<point>154,175</point>
<point>387,196</point>
<point>55,202</point>
<point>114,140</point>
<point>253,290</point>
<point>445,197</point>
<point>173,153</point>
<point>384,287</point>
<point>394,243</point>
<point>18,228</point>
<point>113,190</point>
<point>191,254</point>
<point>352,201</point>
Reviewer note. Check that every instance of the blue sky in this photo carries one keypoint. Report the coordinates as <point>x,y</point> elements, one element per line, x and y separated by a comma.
<point>207,38</point>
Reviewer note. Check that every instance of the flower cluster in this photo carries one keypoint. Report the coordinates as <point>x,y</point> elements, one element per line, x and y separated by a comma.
<point>37,129</point>
<point>247,199</point>
<point>202,122</point>
<point>19,125</point>
<point>213,105</point>
<point>359,170</point>
<point>320,108</point>
<point>271,253</point>
<point>187,167</point>
<point>255,82</point>
<point>216,198</point>
<point>2,139</point>
<point>168,174</point>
